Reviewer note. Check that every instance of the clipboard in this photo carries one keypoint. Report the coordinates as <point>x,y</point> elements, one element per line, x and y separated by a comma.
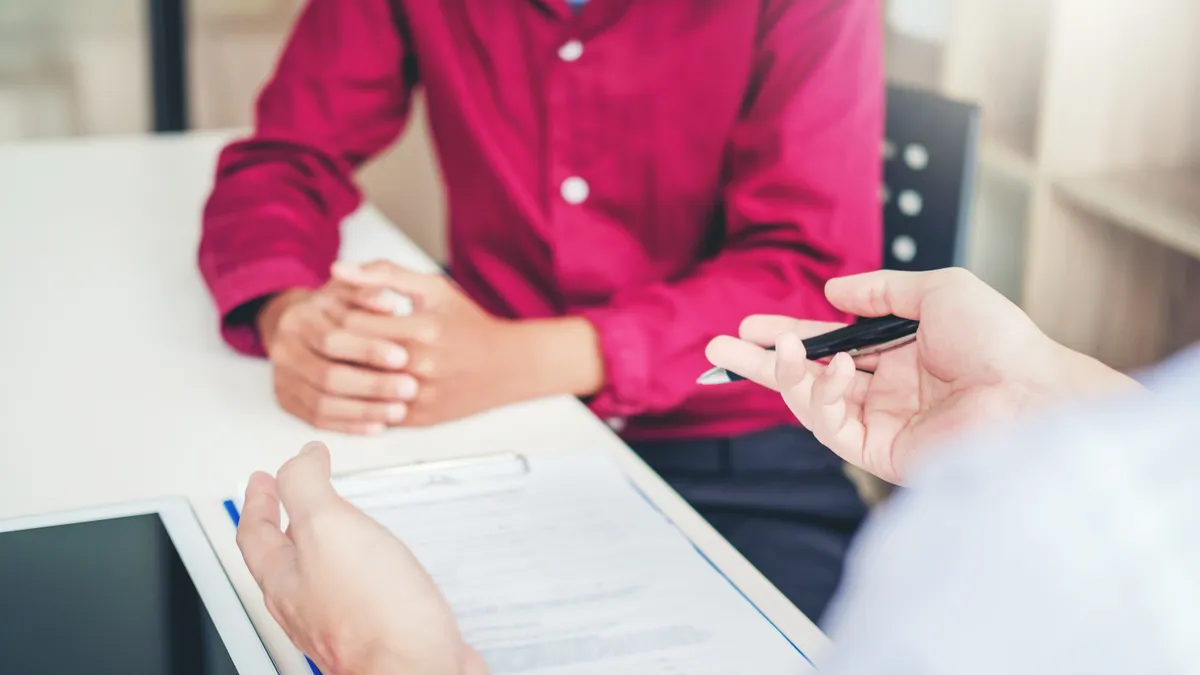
<point>385,487</point>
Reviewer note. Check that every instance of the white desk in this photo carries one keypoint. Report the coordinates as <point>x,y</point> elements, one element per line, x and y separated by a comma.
<point>114,383</point>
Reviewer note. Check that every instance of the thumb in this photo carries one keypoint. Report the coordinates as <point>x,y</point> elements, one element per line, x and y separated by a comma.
<point>884,292</point>
<point>304,483</point>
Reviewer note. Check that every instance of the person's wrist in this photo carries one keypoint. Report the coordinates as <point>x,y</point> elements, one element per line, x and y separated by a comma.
<point>266,323</point>
<point>553,356</point>
<point>1056,375</point>
<point>1089,377</point>
<point>1067,375</point>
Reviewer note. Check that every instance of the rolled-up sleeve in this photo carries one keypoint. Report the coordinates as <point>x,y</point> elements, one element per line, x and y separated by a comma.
<point>340,93</point>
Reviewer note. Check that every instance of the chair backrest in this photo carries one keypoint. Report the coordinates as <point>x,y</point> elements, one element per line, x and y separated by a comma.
<point>929,176</point>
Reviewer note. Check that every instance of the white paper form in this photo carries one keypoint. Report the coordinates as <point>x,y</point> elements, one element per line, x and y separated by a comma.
<point>562,566</point>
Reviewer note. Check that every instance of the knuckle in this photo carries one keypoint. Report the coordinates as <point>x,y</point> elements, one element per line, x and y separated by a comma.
<point>289,321</point>
<point>372,412</point>
<point>278,383</point>
<point>425,367</point>
<point>352,321</point>
<point>291,409</point>
<point>366,297</point>
<point>337,314</point>
<point>385,388</point>
<point>877,298</point>
<point>327,376</point>
<point>321,406</point>
<point>329,342</point>
<point>287,404</point>
<point>381,354</point>
<point>958,276</point>
<point>281,351</point>
<point>428,332</point>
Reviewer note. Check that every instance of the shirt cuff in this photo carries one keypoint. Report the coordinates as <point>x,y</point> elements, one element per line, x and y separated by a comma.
<point>625,349</point>
<point>250,282</point>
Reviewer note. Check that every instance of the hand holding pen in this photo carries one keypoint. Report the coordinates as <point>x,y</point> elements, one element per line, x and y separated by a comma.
<point>866,336</point>
<point>977,359</point>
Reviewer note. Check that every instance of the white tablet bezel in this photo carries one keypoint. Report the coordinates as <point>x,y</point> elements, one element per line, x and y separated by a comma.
<point>242,642</point>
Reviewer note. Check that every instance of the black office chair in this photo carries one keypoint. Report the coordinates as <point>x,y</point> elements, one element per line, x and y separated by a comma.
<point>929,177</point>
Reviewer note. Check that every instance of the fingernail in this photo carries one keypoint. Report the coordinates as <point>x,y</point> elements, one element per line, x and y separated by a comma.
<point>406,388</point>
<point>375,429</point>
<point>396,413</point>
<point>311,447</point>
<point>396,357</point>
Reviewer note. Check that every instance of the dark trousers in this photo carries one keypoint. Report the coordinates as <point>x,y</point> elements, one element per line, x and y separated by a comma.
<point>778,496</point>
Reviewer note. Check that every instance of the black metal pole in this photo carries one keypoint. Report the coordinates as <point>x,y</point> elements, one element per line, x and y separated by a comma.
<point>168,63</point>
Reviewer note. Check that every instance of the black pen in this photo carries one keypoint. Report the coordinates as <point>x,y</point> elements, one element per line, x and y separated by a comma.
<point>866,336</point>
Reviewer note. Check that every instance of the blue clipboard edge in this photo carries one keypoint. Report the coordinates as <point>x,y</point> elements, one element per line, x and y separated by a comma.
<point>232,510</point>
<point>724,576</point>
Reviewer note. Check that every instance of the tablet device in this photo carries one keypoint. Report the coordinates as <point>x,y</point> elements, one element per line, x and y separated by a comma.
<point>132,589</point>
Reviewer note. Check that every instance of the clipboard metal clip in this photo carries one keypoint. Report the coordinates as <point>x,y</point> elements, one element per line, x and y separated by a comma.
<point>420,475</point>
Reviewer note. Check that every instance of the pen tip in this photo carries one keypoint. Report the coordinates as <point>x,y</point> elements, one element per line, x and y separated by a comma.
<point>714,376</point>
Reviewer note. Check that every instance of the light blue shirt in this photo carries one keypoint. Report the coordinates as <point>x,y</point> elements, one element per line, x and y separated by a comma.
<point>1068,545</point>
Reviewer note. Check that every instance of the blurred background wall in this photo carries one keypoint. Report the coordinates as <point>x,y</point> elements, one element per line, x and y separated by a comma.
<point>81,67</point>
<point>1087,204</point>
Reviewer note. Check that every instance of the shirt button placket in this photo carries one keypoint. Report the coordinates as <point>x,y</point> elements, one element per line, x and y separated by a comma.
<point>572,188</point>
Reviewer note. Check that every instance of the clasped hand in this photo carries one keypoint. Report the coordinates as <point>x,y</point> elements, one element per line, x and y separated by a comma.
<point>344,361</point>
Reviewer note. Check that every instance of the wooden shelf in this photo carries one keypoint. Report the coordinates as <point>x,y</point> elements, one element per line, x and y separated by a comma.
<point>1161,205</point>
<point>1007,156</point>
<point>912,62</point>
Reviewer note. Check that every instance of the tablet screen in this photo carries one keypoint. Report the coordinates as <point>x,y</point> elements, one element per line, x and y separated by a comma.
<point>106,597</point>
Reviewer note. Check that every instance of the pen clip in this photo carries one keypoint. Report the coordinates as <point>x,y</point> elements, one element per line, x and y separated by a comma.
<point>883,347</point>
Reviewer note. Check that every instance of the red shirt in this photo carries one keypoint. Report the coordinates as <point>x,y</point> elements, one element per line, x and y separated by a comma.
<point>661,167</point>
